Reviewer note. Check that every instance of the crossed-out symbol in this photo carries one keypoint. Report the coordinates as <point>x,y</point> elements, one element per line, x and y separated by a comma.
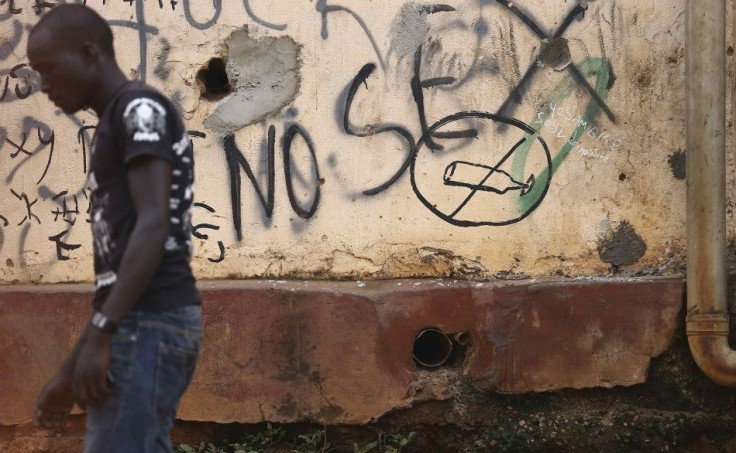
<point>547,43</point>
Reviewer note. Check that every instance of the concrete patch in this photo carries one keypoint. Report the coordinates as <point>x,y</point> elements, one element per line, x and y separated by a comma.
<point>264,74</point>
<point>622,246</point>
<point>677,162</point>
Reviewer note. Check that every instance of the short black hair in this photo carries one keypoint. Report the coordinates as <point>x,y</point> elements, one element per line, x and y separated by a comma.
<point>77,24</point>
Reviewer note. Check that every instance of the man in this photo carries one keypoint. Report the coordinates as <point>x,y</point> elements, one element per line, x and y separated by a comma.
<point>136,355</point>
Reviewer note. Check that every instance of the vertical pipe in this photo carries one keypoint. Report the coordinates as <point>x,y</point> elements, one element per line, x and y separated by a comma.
<point>707,321</point>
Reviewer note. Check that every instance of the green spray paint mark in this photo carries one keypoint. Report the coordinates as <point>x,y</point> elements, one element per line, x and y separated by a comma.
<point>601,69</point>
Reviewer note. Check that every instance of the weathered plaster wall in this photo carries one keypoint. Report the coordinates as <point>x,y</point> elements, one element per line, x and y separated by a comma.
<point>379,139</point>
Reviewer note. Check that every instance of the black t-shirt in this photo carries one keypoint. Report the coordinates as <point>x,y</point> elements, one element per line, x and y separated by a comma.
<point>139,121</point>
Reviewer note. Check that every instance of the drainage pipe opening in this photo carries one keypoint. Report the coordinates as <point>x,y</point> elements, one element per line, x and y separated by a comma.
<point>432,348</point>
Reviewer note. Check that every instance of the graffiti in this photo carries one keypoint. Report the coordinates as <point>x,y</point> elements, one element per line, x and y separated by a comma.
<point>360,79</point>
<point>143,30</point>
<point>85,140</point>
<point>21,76</point>
<point>64,211</point>
<point>216,6</point>
<point>485,199</point>
<point>11,8</point>
<point>258,20</point>
<point>9,46</point>
<point>40,6</point>
<point>468,163</point>
<point>236,160</point>
<point>197,233</point>
<point>479,192</point>
<point>46,138</point>
<point>324,9</point>
<point>552,47</point>
<point>597,67</point>
<point>28,205</point>
<point>62,246</point>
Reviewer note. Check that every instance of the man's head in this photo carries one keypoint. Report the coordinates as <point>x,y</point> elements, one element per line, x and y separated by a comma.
<point>71,48</point>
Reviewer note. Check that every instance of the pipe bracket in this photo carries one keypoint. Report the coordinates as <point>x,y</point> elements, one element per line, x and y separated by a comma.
<point>698,325</point>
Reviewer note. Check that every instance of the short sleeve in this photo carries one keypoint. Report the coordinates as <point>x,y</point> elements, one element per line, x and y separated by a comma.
<point>143,124</point>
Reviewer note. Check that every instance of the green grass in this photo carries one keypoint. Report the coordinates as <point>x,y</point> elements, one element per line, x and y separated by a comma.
<point>274,439</point>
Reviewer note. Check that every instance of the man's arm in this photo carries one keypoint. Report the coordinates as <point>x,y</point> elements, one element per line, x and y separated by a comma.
<point>149,182</point>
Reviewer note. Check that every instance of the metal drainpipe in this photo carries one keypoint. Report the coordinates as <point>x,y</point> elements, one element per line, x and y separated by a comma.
<point>707,320</point>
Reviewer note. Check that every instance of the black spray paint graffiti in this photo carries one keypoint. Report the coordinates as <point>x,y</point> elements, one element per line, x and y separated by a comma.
<point>259,21</point>
<point>24,83</point>
<point>553,47</point>
<point>63,246</point>
<point>325,9</point>
<point>208,226</point>
<point>46,138</point>
<point>66,211</point>
<point>28,207</point>
<point>85,140</point>
<point>143,31</point>
<point>481,173</point>
<point>236,160</point>
<point>216,5</point>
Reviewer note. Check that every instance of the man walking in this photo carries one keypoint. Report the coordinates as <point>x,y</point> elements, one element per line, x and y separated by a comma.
<point>137,353</point>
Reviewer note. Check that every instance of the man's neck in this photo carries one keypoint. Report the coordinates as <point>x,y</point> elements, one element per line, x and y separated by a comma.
<point>111,81</point>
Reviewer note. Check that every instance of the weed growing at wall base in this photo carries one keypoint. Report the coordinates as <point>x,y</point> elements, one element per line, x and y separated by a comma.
<point>273,439</point>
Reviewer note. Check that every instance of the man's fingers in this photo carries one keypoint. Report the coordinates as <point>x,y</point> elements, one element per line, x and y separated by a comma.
<point>80,394</point>
<point>50,420</point>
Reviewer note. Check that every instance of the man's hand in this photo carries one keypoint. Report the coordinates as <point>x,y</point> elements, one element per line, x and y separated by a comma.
<point>89,384</point>
<point>55,402</point>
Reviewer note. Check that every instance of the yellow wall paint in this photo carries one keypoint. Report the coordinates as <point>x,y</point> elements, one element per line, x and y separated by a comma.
<point>609,176</point>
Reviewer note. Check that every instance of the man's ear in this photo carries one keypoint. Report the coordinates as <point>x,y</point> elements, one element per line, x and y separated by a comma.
<point>90,52</point>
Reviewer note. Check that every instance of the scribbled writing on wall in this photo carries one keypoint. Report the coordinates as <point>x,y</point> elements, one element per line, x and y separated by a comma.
<point>490,164</point>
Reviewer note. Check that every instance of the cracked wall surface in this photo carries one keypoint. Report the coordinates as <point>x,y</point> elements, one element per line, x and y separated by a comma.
<point>467,139</point>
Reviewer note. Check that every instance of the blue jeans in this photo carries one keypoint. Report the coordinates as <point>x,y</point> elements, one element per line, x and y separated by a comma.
<point>152,359</point>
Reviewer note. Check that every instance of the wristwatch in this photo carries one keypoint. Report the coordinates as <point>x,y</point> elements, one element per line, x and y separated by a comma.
<point>105,324</point>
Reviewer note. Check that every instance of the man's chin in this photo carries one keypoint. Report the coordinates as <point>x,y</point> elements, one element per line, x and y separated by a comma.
<point>69,110</point>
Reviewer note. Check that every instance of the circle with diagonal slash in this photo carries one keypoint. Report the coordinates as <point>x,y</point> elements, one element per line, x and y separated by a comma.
<point>496,174</point>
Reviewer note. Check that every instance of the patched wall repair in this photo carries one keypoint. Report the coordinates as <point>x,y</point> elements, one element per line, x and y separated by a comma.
<point>622,246</point>
<point>264,75</point>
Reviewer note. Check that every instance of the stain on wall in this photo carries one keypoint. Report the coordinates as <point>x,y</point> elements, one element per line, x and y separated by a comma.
<point>677,161</point>
<point>621,246</point>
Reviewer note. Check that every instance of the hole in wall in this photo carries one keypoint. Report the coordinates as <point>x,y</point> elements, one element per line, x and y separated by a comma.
<point>432,348</point>
<point>622,177</point>
<point>213,81</point>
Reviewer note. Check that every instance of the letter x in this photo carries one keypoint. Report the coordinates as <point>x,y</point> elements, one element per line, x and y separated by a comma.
<point>577,75</point>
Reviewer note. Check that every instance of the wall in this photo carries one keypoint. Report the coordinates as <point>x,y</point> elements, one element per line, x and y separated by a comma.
<point>378,139</point>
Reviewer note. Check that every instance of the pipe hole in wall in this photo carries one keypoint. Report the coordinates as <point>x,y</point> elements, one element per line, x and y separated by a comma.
<point>432,348</point>
<point>213,81</point>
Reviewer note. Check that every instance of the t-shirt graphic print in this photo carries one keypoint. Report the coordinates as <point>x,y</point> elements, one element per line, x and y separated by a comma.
<point>141,122</point>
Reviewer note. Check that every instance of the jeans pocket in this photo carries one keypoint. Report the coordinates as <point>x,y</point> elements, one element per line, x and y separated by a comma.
<point>174,371</point>
<point>122,353</point>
